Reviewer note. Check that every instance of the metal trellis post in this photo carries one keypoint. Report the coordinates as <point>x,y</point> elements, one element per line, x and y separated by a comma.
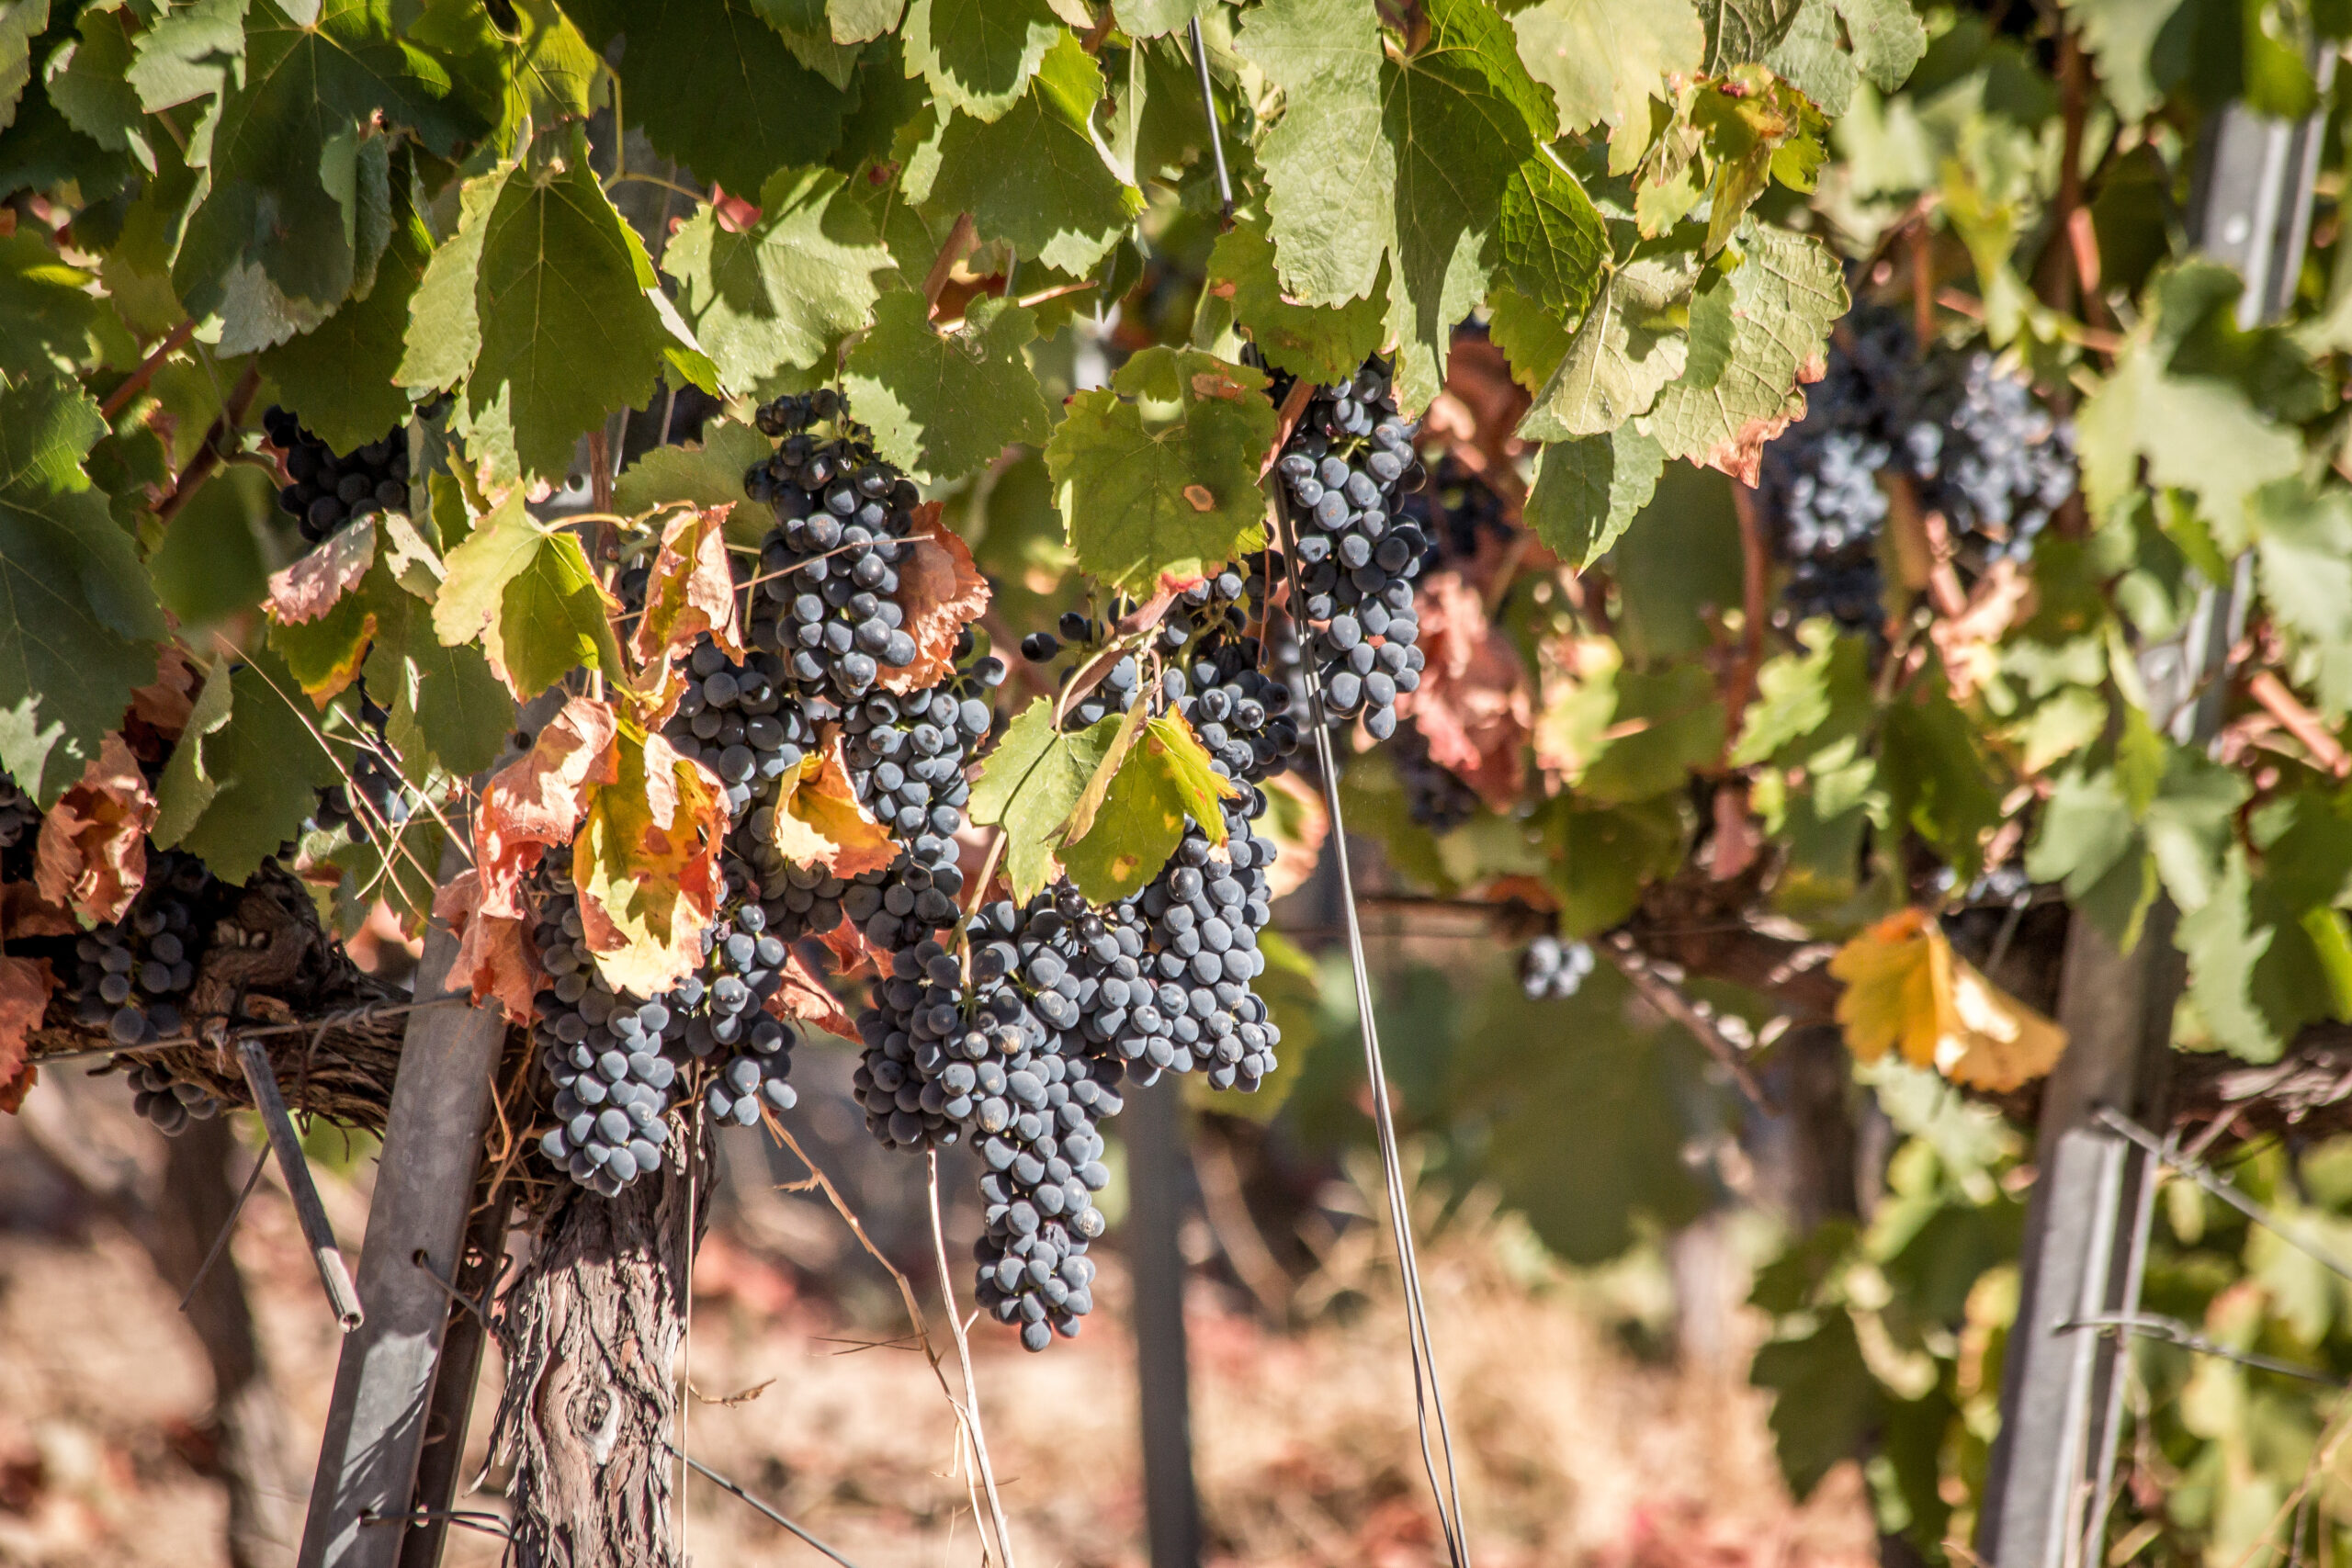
<point>1156,1177</point>
<point>2088,1220</point>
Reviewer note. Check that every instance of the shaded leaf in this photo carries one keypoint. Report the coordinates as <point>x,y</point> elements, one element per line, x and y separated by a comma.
<point>1587,490</point>
<point>1321,342</point>
<point>1473,705</point>
<point>310,588</point>
<point>979,55</point>
<point>92,853</point>
<point>941,407</point>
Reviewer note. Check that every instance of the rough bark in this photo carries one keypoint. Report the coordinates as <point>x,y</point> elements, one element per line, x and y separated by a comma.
<point>591,1331</point>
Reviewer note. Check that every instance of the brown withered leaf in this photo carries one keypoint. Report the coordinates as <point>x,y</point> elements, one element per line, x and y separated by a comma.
<point>1969,641</point>
<point>820,822</point>
<point>690,591</point>
<point>1742,457</point>
<point>1297,822</point>
<point>25,987</point>
<point>93,852</point>
<point>539,798</point>
<point>494,955</point>
<point>24,914</point>
<point>942,592</point>
<point>310,588</point>
<point>853,954</point>
<point>1473,706</point>
<point>164,704</point>
<point>804,998</point>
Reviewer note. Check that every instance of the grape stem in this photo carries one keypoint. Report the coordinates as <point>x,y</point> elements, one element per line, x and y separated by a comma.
<point>979,1442</point>
<point>137,380</point>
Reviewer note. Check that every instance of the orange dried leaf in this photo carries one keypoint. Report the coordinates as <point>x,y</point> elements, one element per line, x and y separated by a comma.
<point>495,955</point>
<point>1742,457</point>
<point>25,985</point>
<point>820,822</point>
<point>690,591</point>
<point>165,704</point>
<point>853,954</point>
<point>803,998</point>
<point>539,798</point>
<point>1906,990</point>
<point>942,592</point>
<point>24,914</point>
<point>93,852</point>
<point>1473,706</point>
<point>310,588</point>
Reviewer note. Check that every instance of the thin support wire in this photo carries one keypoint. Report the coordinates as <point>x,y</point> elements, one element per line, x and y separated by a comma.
<point>729,1486</point>
<point>2173,1331</point>
<point>1216,137</point>
<point>1427,1394</point>
<point>964,1358</point>
<point>2168,1152</point>
<point>228,1228</point>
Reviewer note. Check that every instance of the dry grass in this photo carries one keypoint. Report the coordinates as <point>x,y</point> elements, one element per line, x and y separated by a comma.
<point>1576,1452</point>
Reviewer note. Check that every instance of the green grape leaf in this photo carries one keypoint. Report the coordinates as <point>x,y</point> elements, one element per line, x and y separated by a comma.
<point>1406,156</point>
<point>1322,342</point>
<point>1667,723</point>
<point>187,54</point>
<point>1826,1403</point>
<point>1034,176</point>
<point>781,294</point>
<point>1806,704</point>
<point>1163,778</point>
<point>1624,352</point>
<point>546,305</point>
<point>1742,30</point>
<point>2225,946</point>
<point>978,55</point>
<point>528,595</point>
<point>860,21</point>
<point>704,476</point>
<point>809,33</point>
<point>543,72</point>
<point>1553,243</point>
<point>2304,546</point>
<point>1030,785</point>
<point>256,775</point>
<point>211,566</point>
<point>1605,59</point>
<point>88,85</point>
<point>49,322</point>
<point>1587,490</point>
<point>941,407</point>
<point>1810,58</point>
<point>19,25</point>
<point>2121,36</point>
<point>1154,19</point>
<point>1938,779</point>
<point>1533,343</point>
<point>1888,39</point>
<point>449,696</point>
<point>716,86</point>
<point>1785,292</point>
<point>1163,487</point>
<point>340,373</point>
<point>274,242</point>
<point>186,787</point>
<point>78,617</point>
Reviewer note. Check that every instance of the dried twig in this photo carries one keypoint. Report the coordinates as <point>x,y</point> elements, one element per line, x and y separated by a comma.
<point>964,1358</point>
<point>1705,1025</point>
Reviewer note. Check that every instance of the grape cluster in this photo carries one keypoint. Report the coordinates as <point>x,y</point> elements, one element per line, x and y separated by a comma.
<point>1189,1006</point>
<point>1342,469</point>
<point>1240,714</point>
<point>744,960</point>
<point>330,488</point>
<point>1979,448</point>
<point>830,565</point>
<point>381,805</point>
<point>1434,798</point>
<point>1459,514</point>
<point>1553,970</point>
<point>130,978</point>
<point>906,757</point>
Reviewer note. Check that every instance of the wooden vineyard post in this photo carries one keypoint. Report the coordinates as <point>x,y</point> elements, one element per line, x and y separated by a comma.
<point>416,1224</point>
<point>2088,1219</point>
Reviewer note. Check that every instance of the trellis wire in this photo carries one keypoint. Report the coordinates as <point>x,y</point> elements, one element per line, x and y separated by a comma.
<point>734,1490</point>
<point>2168,1152</point>
<point>348,1018</point>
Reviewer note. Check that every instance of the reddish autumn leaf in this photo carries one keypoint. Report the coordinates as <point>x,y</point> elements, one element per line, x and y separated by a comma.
<point>495,955</point>
<point>25,985</point>
<point>310,588</point>
<point>820,822</point>
<point>942,592</point>
<point>853,954</point>
<point>24,913</point>
<point>690,591</point>
<point>1473,706</point>
<point>164,704</point>
<point>803,998</point>
<point>93,852</point>
<point>1297,822</point>
<point>1742,457</point>
<point>539,799</point>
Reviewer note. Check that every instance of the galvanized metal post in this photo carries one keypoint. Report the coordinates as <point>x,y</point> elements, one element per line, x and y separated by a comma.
<point>1157,1176</point>
<point>2088,1220</point>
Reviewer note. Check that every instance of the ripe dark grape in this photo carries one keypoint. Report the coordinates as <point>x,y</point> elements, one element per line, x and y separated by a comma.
<point>1434,798</point>
<point>1342,472</point>
<point>1553,970</point>
<point>906,757</point>
<point>1459,513</point>
<point>131,978</point>
<point>1986,455</point>
<point>382,804</point>
<point>331,488</point>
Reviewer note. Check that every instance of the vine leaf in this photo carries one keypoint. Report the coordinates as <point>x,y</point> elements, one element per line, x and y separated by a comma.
<point>1036,177</point>
<point>979,55</point>
<point>820,821</point>
<point>704,476</point>
<point>2303,546</point>
<point>1785,292</point>
<point>1606,60</point>
<point>689,592</point>
<point>50,319</point>
<point>1906,990</point>
<point>92,854</point>
<point>1323,344</point>
<point>941,407</point>
<point>26,985</point>
<point>1155,476</point>
<point>717,86</point>
<point>1587,490</point>
<point>940,592</point>
<point>1402,155</point>
<point>545,311</point>
<point>528,595</point>
<point>860,21</point>
<point>494,959</point>
<point>809,33</point>
<point>1030,785</point>
<point>1164,777</point>
<point>313,585</point>
<point>18,27</point>
<point>1472,705</point>
<point>781,293</point>
<point>1624,352</point>
<point>801,996</point>
<point>291,208</point>
<point>647,864</point>
<point>255,768</point>
<point>78,617</point>
<point>340,373</point>
<point>1553,244</point>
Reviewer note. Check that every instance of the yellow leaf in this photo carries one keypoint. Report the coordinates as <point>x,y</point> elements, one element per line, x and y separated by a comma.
<point>647,864</point>
<point>818,821</point>
<point>1906,989</point>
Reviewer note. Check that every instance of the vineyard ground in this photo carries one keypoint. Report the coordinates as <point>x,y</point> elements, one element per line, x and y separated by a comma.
<point>1583,1452</point>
